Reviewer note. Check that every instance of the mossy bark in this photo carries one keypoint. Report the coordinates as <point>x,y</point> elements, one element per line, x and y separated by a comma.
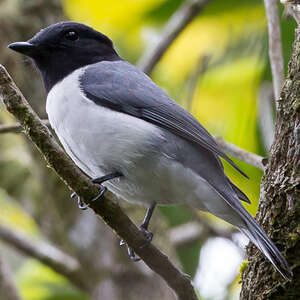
<point>279,209</point>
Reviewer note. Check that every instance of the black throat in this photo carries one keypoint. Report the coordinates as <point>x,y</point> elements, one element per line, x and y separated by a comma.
<point>53,70</point>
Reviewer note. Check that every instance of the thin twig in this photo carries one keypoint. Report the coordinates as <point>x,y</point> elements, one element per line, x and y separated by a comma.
<point>275,47</point>
<point>16,128</point>
<point>200,69</point>
<point>241,154</point>
<point>212,229</point>
<point>8,289</point>
<point>215,231</point>
<point>176,24</point>
<point>265,114</point>
<point>47,254</point>
<point>107,209</point>
<point>193,231</point>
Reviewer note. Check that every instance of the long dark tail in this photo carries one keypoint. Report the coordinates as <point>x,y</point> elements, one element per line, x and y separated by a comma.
<point>267,247</point>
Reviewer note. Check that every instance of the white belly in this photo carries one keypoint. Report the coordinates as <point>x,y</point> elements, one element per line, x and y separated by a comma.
<point>101,141</point>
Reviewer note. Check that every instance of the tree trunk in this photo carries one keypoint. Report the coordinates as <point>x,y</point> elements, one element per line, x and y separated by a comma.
<point>279,209</point>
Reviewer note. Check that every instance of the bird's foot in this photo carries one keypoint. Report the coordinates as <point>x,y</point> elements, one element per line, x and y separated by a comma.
<point>98,181</point>
<point>144,228</point>
<point>149,237</point>
<point>148,234</point>
<point>82,205</point>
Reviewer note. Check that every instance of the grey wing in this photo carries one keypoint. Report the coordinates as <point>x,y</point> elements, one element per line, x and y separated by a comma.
<point>121,86</point>
<point>239,193</point>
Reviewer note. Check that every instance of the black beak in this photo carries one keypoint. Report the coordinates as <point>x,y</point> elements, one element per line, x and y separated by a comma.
<point>24,48</point>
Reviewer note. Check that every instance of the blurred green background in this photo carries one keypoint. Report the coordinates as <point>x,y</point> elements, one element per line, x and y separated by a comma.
<point>215,69</point>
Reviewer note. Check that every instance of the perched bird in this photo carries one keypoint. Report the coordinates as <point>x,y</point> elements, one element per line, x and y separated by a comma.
<point>128,135</point>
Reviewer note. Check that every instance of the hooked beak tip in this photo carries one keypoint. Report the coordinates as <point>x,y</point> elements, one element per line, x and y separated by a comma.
<point>23,47</point>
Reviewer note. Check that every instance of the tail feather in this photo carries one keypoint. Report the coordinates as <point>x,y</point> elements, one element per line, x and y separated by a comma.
<point>238,216</point>
<point>242,196</point>
<point>258,237</point>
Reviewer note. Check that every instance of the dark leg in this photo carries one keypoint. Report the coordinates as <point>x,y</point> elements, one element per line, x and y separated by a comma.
<point>144,228</point>
<point>104,178</point>
<point>98,181</point>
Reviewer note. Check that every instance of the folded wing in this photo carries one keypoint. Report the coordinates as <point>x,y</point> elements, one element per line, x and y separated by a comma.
<point>121,86</point>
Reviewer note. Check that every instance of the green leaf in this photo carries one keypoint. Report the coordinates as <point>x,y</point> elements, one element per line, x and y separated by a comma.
<point>38,282</point>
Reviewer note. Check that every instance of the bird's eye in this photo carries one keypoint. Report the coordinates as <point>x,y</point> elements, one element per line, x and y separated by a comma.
<point>71,36</point>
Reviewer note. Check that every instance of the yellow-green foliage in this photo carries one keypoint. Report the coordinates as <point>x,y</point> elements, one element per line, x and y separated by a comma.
<point>243,267</point>
<point>14,216</point>
<point>36,282</point>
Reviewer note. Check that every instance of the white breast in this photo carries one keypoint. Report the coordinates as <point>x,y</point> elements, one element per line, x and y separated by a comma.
<point>96,138</point>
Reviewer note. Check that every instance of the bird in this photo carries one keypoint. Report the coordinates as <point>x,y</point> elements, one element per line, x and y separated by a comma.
<point>129,136</point>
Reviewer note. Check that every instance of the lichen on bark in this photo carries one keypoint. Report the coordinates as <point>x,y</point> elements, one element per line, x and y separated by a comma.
<point>279,209</point>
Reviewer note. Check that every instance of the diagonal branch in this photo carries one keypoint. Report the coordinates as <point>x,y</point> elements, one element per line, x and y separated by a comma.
<point>59,261</point>
<point>275,48</point>
<point>177,23</point>
<point>13,128</point>
<point>193,231</point>
<point>16,128</point>
<point>107,209</point>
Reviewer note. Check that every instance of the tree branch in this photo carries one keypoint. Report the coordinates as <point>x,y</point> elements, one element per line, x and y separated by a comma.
<point>241,154</point>
<point>198,72</point>
<point>59,261</point>
<point>107,209</point>
<point>16,128</point>
<point>265,114</point>
<point>275,48</point>
<point>177,23</point>
<point>8,289</point>
<point>190,232</point>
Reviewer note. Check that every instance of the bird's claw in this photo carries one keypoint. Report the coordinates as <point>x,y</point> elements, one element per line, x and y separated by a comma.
<point>98,181</point>
<point>131,253</point>
<point>82,205</point>
<point>148,234</point>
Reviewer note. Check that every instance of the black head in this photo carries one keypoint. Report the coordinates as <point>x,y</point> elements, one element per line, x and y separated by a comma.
<point>64,47</point>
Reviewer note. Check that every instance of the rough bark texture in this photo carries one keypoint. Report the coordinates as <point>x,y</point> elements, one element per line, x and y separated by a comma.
<point>279,209</point>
